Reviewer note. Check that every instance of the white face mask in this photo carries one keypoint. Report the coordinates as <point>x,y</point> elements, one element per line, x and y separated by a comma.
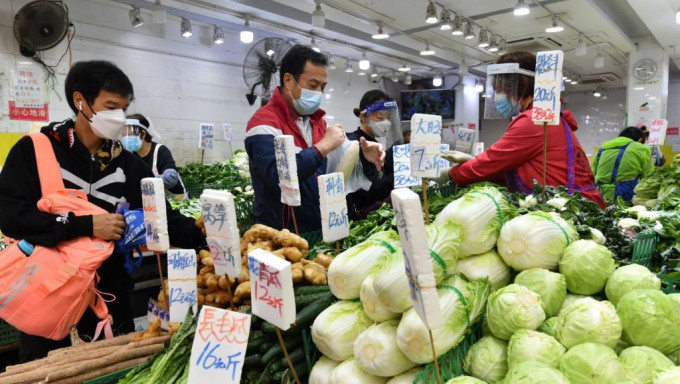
<point>106,124</point>
<point>380,128</point>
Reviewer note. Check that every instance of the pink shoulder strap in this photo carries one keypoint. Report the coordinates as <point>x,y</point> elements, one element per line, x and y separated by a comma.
<point>48,167</point>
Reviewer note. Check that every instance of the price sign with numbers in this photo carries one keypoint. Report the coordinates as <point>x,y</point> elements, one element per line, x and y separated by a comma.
<point>219,215</point>
<point>547,87</point>
<point>181,282</point>
<point>219,347</point>
<point>271,288</point>
<point>155,215</point>
<point>408,214</point>
<point>402,166</point>
<point>426,138</point>
<point>286,165</point>
<point>657,132</point>
<point>206,136</point>
<point>333,206</point>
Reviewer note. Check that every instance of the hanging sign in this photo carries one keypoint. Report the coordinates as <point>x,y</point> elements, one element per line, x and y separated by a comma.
<point>206,135</point>
<point>408,214</point>
<point>182,288</point>
<point>286,165</point>
<point>547,87</point>
<point>221,228</point>
<point>426,138</point>
<point>271,287</point>
<point>155,218</point>
<point>333,206</point>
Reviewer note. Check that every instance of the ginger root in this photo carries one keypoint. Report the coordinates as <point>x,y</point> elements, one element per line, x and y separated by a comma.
<point>315,274</point>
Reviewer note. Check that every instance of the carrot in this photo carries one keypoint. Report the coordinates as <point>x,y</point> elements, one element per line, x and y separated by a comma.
<point>102,371</point>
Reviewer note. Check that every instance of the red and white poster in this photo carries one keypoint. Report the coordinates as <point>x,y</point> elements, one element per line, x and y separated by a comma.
<point>29,97</point>
<point>673,138</point>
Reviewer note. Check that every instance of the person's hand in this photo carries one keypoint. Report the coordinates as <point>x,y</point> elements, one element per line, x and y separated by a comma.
<point>455,156</point>
<point>333,138</point>
<point>443,177</point>
<point>373,152</point>
<point>108,226</point>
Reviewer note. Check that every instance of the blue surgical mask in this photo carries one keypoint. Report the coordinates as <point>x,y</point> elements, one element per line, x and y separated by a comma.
<point>132,143</point>
<point>309,101</point>
<point>504,106</point>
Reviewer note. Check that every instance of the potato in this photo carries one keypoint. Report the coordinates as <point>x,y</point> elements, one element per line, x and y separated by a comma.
<point>324,259</point>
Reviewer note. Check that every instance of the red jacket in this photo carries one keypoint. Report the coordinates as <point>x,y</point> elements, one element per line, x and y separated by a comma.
<point>517,158</point>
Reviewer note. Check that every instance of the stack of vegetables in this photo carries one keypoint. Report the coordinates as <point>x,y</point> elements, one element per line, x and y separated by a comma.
<point>380,338</point>
<point>240,161</point>
<point>243,200</point>
<point>220,175</point>
<point>661,189</point>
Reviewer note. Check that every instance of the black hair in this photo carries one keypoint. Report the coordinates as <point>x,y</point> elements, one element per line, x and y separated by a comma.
<point>296,58</point>
<point>144,125</point>
<point>370,97</point>
<point>90,77</point>
<point>633,133</point>
<point>526,60</point>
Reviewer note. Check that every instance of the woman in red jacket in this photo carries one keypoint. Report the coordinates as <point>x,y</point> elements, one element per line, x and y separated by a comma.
<point>517,157</point>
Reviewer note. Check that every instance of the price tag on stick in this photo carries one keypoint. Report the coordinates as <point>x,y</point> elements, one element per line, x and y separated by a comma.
<point>333,206</point>
<point>426,138</point>
<point>219,215</point>
<point>155,216</point>
<point>286,165</point>
<point>547,87</point>
<point>182,283</point>
<point>219,347</point>
<point>271,288</point>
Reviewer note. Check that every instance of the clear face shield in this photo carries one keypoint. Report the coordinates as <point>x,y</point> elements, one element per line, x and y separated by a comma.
<point>383,119</point>
<point>502,90</point>
<point>130,136</point>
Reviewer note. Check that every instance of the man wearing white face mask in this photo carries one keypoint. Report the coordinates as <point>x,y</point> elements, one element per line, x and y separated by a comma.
<point>294,109</point>
<point>379,123</point>
<point>91,160</point>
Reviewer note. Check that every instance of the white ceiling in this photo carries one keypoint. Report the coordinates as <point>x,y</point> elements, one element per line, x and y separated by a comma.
<point>611,25</point>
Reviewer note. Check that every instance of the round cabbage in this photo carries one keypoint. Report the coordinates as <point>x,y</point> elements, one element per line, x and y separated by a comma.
<point>535,240</point>
<point>535,346</point>
<point>592,363</point>
<point>531,372</point>
<point>675,296</point>
<point>586,265</point>
<point>640,363</point>
<point>513,308</point>
<point>465,380</point>
<point>589,320</point>
<point>671,375</point>
<point>549,327</point>
<point>569,300</point>
<point>550,286</point>
<point>629,278</point>
<point>650,318</point>
<point>487,359</point>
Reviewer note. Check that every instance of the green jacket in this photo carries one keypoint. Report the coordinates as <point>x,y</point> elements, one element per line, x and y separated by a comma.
<point>635,163</point>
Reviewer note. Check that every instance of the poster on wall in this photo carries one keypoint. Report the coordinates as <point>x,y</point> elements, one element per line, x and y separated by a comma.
<point>28,96</point>
<point>673,138</point>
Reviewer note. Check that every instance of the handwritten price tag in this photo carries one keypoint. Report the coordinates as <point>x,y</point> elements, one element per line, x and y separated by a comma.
<point>657,132</point>
<point>286,165</point>
<point>154,310</point>
<point>271,287</point>
<point>465,139</point>
<point>182,288</point>
<point>426,138</point>
<point>408,215</point>
<point>206,136</point>
<point>333,205</point>
<point>219,214</point>
<point>402,166</point>
<point>547,88</point>
<point>155,216</point>
<point>219,347</point>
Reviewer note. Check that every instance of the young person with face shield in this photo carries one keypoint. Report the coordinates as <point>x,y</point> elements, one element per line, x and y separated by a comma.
<point>516,159</point>
<point>294,109</point>
<point>91,160</point>
<point>379,119</point>
<point>139,137</point>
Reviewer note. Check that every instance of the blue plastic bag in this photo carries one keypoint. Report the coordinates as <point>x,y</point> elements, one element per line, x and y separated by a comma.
<point>133,238</point>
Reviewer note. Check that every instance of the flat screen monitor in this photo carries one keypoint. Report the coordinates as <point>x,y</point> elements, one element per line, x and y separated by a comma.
<point>434,102</point>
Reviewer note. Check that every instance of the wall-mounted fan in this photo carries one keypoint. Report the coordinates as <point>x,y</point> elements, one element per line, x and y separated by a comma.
<point>261,65</point>
<point>40,25</point>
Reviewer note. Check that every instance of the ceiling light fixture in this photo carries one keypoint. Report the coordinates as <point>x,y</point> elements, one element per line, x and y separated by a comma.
<point>599,59</point>
<point>521,9</point>
<point>268,49</point>
<point>555,27</point>
<point>483,39</point>
<point>493,44</point>
<point>575,79</point>
<point>638,88</point>
<point>566,77</point>
<point>604,94</point>
<point>361,73</point>
<point>431,13</point>
<point>446,20</point>
<point>677,16</point>
<point>218,35</point>
<point>395,77</point>
<point>246,34</point>
<point>185,28</point>
<point>463,68</point>
<point>407,79</point>
<point>581,48</point>
<point>158,13</point>
<point>380,35</point>
<point>364,64</point>
<point>469,31</point>
<point>314,46</point>
<point>318,16</point>
<point>457,29</point>
<point>136,17</point>
<point>437,81</point>
<point>427,51</point>
<point>374,73</point>
<point>502,47</point>
<point>479,87</point>
<point>597,92</point>
<point>404,68</point>
<point>349,68</point>
<point>331,62</point>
